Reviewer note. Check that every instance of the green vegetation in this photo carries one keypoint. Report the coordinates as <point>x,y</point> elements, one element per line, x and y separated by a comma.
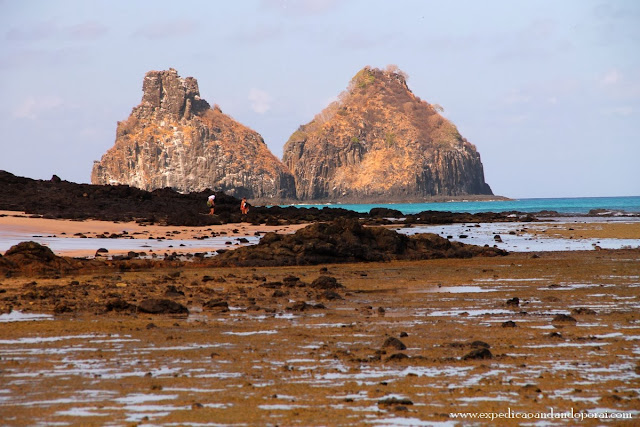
<point>364,78</point>
<point>389,139</point>
<point>297,136</point>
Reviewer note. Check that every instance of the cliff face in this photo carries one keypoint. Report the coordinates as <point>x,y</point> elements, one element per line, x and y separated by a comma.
<point>175,139</point>
<point>381,142</point>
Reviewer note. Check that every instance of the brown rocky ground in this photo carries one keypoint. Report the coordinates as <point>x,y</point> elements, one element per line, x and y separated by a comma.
<point>280,346</point>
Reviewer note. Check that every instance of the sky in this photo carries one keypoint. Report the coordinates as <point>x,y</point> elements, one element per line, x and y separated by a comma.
<point>548,91</point>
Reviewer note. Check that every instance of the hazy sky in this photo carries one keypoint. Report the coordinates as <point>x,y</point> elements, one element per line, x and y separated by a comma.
<point>548,91</point>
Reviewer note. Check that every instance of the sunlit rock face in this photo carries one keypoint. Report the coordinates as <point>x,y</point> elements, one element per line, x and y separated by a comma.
<point>380,142</point>
<point>176,139</point>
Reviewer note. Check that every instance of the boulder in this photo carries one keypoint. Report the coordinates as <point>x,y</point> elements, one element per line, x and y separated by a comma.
<point>162,306</point>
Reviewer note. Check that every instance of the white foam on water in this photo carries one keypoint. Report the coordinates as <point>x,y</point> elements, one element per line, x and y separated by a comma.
<point>459,290</point>
<point>430,372</point>
<point>611,335</point>
<point>135,398</point>
<point>481,312</point>
<point>244,334</point>
<point>567,344</point>
<point>194,390</point>
<point>37,340</point>
<point>521,241</point>
<point>486,399</point>
<point>19,316</point>
<point>371,408</point>
<point>82,412</point>
<point>281,407</point>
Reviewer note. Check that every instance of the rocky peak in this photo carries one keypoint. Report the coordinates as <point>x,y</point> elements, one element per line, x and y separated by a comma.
<point>173,138</point>
<point>379,141</point>
<point>167,95</point>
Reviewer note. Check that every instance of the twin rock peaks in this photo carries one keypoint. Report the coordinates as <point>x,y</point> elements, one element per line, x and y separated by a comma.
<point>377,142</point>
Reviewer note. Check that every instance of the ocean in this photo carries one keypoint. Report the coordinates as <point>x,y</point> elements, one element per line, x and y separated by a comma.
<point>567,205</point>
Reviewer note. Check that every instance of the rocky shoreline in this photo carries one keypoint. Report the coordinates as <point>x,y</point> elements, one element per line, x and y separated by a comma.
<point>60,199</point>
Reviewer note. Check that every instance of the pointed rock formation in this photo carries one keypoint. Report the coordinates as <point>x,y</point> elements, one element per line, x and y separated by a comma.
<point>381,142</point>
<point>175,139</point>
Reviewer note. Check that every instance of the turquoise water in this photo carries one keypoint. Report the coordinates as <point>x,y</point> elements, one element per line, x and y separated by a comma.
<point>576,205</point>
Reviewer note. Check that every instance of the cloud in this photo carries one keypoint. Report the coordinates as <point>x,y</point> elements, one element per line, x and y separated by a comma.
<point>611,77</point>
<point>617,84</point>
<point>167,29</point>
<point>33,107</point>
<point>260,101</point>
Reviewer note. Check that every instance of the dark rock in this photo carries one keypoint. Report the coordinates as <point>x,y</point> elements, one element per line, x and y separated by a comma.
<point>326,282</point>
<point>509,324</point>
<point>395,401</point>
<point>394,342</point>
<point>583,310</point>
<point>31,251</point>
<point>479,344</point>
<point>478,354</point>
<point>331,295</point>
<point>299,306</point>
<point>385,213</point>
<point>119,305</point>
<point>346,240</point>
<point>272,285</point>
<point>291,281</point>
<point>515,301</point>
<point>217,304</point>
<point>162,306</point>
<point>530,389</point>
<point>173,292</point>
<point>563,318</point>
<point>62,308</point>
<point>397,357</point>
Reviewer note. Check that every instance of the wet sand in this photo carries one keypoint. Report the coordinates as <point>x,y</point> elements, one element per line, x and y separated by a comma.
<point>18,222</point>
<point>288,353</point>
<point>590,230</point>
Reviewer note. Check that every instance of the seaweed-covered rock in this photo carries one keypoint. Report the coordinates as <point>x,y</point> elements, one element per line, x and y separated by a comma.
<point>346,240</point>
<point>162,306</point>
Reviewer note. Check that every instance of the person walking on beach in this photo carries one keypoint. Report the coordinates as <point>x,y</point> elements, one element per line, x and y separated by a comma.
<point>244,206</point>
<point>211,203</point>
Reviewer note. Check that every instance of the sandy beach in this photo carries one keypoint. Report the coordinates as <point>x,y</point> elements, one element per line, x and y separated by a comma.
<point>26,225</point>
